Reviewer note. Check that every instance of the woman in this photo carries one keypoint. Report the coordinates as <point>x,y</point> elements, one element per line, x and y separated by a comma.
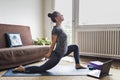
<point>58,49</point>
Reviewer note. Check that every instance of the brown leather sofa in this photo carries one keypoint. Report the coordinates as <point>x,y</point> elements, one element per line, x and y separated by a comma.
<point>15,56</point>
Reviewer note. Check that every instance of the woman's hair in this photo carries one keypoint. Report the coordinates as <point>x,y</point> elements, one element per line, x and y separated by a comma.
<point>53,16</point>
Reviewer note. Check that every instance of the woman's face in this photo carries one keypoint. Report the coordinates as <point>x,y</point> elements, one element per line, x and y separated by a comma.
<point>59,17</point>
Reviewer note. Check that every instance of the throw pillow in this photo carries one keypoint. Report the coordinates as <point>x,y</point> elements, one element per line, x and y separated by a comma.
<point>13,39</point>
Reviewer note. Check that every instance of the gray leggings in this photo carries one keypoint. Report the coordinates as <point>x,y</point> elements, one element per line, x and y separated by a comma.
<point>54,60</point>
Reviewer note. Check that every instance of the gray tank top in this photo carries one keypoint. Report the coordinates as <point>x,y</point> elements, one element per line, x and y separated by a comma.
<point>61,43</point>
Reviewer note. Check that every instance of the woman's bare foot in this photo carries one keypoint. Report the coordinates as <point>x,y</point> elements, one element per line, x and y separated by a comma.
<point>78,66</point>
<point>19,69</point>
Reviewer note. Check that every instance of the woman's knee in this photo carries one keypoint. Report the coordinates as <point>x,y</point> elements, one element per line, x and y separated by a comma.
<point>76,47</point>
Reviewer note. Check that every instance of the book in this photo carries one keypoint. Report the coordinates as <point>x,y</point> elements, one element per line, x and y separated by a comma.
<point>95,65</point>
<point>96,62</point>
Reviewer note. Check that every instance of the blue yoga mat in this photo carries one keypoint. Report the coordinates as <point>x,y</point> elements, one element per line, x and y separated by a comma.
<point>59,70</point>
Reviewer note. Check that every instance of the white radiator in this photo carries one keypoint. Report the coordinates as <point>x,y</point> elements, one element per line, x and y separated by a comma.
<point>100,42</point>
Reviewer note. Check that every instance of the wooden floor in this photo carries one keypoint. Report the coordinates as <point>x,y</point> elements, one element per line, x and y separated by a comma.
<point>115,70</point>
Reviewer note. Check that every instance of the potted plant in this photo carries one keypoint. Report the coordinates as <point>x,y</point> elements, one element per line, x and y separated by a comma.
<point>42,41</point>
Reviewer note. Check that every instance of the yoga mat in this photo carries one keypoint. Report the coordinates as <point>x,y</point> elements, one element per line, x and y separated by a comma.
<point>59,70</point>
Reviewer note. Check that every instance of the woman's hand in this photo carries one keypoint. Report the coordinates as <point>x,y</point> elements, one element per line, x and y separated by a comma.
<point>47,55</point>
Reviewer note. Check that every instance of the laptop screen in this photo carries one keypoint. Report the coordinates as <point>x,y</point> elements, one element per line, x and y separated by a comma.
<point>106,68</point>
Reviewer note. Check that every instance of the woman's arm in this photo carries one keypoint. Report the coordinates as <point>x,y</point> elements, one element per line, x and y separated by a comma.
<point>54,38</point>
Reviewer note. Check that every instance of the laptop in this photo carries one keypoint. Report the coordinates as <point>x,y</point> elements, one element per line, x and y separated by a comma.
<point>103,72</point>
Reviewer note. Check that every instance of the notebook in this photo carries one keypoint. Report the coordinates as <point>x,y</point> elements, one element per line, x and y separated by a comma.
<point>103,72</point>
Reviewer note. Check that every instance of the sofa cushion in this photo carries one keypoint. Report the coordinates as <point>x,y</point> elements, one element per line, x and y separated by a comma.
<point>15,56</point>
<point>13,39</point>
<point>24,31</point>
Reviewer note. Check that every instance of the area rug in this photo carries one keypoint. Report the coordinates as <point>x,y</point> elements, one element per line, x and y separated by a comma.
<point>59,70</point>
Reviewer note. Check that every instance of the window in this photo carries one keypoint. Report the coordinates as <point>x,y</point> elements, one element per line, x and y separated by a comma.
<point>65,8</point>
<point>99,12</point>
